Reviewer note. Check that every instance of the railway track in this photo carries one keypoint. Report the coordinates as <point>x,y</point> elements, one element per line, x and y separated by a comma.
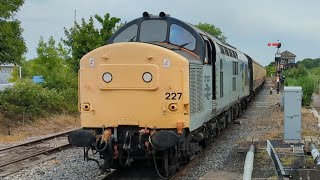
<point>148,173</point>
<point>184,168</point>
<point>20,156</point>
<point>139,170</point>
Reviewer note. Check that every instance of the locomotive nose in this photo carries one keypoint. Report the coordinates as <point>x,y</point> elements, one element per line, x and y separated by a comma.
<point>135,84</point>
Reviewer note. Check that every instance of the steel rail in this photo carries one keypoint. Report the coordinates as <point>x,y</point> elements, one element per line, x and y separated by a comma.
<point>63,133</point>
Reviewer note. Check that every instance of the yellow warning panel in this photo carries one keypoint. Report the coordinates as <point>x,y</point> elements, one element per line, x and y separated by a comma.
<point>128,76</point>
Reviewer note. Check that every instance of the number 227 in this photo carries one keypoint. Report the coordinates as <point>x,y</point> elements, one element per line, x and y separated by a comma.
<point>173,96</point>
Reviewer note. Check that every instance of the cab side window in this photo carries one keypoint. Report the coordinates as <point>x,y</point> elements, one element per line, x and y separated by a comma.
<point>208,53</point>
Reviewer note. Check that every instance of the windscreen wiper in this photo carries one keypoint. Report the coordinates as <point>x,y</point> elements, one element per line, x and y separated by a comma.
<point>131,40</point>
<point>185,44</point>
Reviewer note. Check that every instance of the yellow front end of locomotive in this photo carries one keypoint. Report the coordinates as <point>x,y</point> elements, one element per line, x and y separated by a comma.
<point>134,84</point>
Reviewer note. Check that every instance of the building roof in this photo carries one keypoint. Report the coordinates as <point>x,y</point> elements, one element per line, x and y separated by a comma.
<point>287,55</point>
<point>7,65</point>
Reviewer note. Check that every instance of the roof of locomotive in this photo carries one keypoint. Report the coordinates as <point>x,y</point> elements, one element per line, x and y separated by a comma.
<point>196,32</point>
<point>170,20</point>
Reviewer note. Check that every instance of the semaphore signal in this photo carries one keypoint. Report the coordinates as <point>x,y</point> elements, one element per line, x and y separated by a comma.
<point>278,45</point>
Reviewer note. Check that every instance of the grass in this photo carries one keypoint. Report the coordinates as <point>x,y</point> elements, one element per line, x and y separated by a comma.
<point>39,127</point>
<point>262,157</point>
<point>287,160</point>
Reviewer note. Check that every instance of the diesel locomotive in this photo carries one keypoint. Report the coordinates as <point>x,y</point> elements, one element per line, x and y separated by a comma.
<point>160,90</point>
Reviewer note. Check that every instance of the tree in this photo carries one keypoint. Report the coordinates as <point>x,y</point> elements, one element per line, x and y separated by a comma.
<point>84,37</point>
<point>310,63</point>
<point>51,64</point>
<point>12,45</point>
<point>212,30</point>
<point>9,7</point>
<point>57,74</point>
<point>300,76</point>
<point>271,69</point>
<point>300,71</point>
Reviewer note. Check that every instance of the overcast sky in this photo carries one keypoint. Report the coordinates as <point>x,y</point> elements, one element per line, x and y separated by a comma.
<point>248,24</point>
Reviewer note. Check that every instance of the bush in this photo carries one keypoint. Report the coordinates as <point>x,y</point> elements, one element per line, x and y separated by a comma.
<point>300,71</point>
<point>30,100</point>
<point>308,86</point>
<point>302,77</point>
<point>71,99</point>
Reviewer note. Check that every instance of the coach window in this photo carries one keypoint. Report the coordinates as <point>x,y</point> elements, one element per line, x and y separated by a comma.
<point>153,30</point>
<point>181,37</point>
<point>127,35</point>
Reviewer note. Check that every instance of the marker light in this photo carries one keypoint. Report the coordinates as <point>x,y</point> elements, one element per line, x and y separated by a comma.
<point>147,77</point>
<point>145,15</point>
<point>162,14</point>
<point>107,77</point>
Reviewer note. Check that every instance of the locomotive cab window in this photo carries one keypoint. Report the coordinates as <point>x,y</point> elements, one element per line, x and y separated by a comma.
<point>181,37</point>
<point>153,30</point>
<point>127,35</point>
<point>208,57</point>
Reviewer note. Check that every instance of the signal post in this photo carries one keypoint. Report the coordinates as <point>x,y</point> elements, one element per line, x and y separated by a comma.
<point>277,64</point>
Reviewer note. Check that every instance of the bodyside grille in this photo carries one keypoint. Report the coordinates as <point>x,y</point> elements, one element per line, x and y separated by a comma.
<point>196,88</point>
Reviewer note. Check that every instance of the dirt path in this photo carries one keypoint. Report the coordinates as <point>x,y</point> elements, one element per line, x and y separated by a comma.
<point>316,101</point>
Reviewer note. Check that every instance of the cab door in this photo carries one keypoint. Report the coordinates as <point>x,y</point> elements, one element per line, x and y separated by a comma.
<point>210,60</point>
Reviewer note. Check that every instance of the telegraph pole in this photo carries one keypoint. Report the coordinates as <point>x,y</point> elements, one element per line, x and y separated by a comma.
<point>75,19</point>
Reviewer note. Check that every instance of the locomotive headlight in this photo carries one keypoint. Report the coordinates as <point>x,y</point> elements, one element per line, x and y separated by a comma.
<point>173,107</point>
<point>86,106</point>
<point>107,77</point>
<point>147,77</point>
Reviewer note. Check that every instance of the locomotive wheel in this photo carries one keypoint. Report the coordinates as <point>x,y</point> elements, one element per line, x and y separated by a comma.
<point>225,121</point>
<point>166,163</point>
<point>169,162</point>
<point>107,157</point>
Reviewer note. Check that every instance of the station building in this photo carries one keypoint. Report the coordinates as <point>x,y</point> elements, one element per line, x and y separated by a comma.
<point>6,73</point>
